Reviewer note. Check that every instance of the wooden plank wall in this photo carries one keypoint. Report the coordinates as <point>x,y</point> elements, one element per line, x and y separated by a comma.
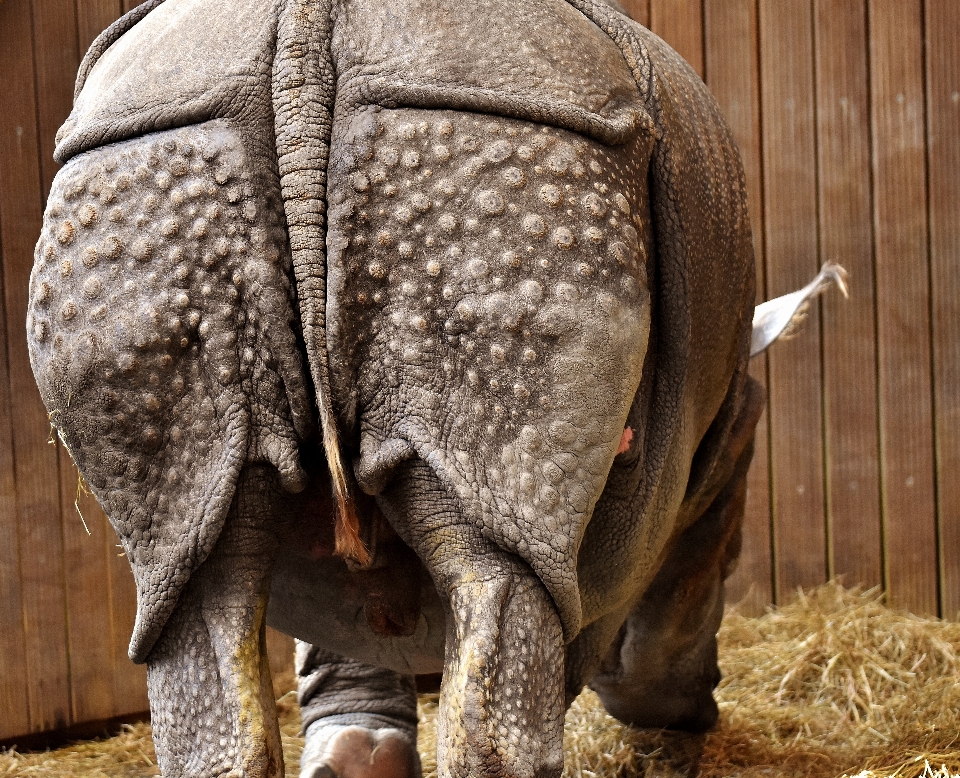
<point>848,117</point>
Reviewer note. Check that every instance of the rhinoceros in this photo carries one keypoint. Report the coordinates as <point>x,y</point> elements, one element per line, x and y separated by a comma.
<point>427,322</point>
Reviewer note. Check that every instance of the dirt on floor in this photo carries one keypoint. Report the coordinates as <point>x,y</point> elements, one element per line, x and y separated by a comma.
<point>834,684</point>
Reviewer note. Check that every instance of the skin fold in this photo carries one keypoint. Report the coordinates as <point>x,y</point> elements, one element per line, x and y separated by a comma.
<point>426,321</point>
<point>221,718</point>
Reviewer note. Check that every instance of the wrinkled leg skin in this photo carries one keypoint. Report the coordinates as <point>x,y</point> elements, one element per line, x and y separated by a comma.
<point>501,701</point>
<point>211,697</point>
<point>359,721</point>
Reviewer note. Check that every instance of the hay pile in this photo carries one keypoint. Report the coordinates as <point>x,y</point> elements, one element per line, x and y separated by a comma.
<point>835,684</point>
<point>838,682</point>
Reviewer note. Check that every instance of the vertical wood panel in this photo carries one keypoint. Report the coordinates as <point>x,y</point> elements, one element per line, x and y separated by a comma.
<point>93,17</point>
<point>733,76</point>
<point>943,105</point>
<point>846,236</point>
<point>35,465</point>
<point>639,10</point>
<point>680,23</point>
<point>92,664</point>
<point>57,58</point>
<point>903,298</point>
<point>14,713</point>
<point>790,220</point>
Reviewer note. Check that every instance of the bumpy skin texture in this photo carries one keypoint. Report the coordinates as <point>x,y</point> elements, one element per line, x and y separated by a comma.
<point>162,328</point>
<point>497,272</point>
<point>496,237</point>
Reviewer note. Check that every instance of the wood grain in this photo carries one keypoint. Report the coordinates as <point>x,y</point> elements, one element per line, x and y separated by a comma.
<point>942,19</point>
<point>93,17</point>
<point>35,466</point>
<point>903,296</point>
<point>733,75</point>
<point>849,334</point>
<point>57,57</point>
<point>14,705</point>
<point>790,221</point>
<point>14,711</point>
<point>680,23</point>
<point>92,665</point>
<point>639,10</point>
<point>129,680</point>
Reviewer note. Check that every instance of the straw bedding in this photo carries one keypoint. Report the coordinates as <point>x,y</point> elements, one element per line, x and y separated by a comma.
<point>834,684</point>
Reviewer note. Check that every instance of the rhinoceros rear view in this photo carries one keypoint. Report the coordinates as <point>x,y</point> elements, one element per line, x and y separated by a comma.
<point>487,264</point>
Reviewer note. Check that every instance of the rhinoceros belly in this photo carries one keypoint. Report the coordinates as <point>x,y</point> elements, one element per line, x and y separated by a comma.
<point>385,617</point>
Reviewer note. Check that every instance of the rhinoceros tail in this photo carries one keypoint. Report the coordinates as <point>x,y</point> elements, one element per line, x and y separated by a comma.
<point>347,530</point>
<point>303,96</point>
<point>782,316</point>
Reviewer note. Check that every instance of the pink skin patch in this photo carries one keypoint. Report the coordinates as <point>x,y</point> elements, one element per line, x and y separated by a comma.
<point>625,439</point>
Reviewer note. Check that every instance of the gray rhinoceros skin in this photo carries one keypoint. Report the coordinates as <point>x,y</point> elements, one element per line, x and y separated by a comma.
<point>495,258</point>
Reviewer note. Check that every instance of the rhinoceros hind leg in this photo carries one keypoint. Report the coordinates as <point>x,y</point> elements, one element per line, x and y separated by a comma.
<point>646,684</point>
<point>359,721</point>
<point>211,697</point>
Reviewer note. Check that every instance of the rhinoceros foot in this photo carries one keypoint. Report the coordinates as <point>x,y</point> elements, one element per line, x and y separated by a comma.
<point>358,752</point>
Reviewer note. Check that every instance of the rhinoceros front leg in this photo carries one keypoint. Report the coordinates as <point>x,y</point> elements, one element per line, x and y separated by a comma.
<point>211,698</point>
<point>359,721</point>
<point>502,698</point>
<point>662,668</point>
